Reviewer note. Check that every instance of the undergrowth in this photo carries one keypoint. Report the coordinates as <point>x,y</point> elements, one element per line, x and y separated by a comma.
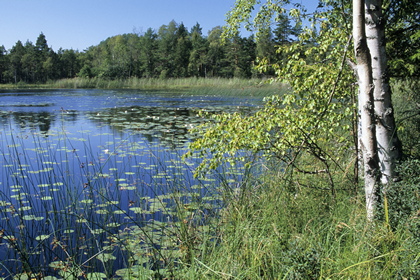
<point>270,233</point>
<point>262,227</point>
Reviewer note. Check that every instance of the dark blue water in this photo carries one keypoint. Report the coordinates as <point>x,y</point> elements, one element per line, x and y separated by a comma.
<point>78,167</point>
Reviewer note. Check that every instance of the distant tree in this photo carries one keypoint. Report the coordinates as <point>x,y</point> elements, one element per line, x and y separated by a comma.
<point>197,29</point>
<point>96,59</point>
<point>4,63</point>
<point>133,54</point>
<point>167,42</point>
<point>284,32</point>
<point>15,57</point>
<point>240,55</point>
<point>148,49</point>
<point>182,52</point>
<point>41,53</point>
<point>119,60</point>
<point>265,50</point>
<point>41,45</point>
<point>49,67</point>
<point>68,63</point>
<point>85,62</point>
<point>199,49</point>
<point>216,56</point>
<point>29,63</point>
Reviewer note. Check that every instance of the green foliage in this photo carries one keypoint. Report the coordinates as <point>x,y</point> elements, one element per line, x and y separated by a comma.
<point>305,127</point>
<point>403,37</point>
<point>407,114</point>
<point>403,199</point>
<point>402,226</point>
<point>171,52</point>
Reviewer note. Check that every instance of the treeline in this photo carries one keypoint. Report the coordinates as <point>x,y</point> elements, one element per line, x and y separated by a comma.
<point>172,51</point>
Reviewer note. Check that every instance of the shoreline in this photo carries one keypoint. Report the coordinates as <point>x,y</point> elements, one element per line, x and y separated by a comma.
<point>146,83</point>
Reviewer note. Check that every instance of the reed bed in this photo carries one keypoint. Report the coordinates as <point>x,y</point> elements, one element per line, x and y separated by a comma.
<point>131,211</point>
<point>148,83</point>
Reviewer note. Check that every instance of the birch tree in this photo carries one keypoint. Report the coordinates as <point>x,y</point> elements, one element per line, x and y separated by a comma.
<point>305,118</point>
<point>368,143</point>
<point>386,133</point>
<point>379,141</point>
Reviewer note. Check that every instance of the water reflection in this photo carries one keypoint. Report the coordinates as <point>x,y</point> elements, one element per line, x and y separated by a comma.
<point>169,125</point>
<point>89,166</point>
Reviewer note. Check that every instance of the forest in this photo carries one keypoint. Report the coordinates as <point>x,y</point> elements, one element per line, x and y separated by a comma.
<point>172,51</point>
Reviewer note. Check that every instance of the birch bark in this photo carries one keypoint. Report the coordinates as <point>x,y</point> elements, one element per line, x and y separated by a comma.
<point>386,135</point>
<point>367,140</point>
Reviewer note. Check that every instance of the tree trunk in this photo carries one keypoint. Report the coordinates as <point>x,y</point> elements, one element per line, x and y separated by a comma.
<point>386,135</point>
<point>367,140</point>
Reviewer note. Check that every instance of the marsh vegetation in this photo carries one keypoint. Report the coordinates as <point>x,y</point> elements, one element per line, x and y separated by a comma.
<point>93,183</point>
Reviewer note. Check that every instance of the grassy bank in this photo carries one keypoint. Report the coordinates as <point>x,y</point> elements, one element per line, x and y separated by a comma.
<point>272,233</point>
<point>143,83</point>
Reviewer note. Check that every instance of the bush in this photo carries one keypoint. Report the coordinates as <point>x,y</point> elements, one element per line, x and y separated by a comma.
<point>406,102</point>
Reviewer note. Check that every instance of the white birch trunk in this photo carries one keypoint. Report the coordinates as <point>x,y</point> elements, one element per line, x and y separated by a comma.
<point>368,143</point>
<point>386,136</point>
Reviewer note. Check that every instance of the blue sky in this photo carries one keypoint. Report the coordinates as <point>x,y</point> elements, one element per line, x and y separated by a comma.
<point>79,24</point>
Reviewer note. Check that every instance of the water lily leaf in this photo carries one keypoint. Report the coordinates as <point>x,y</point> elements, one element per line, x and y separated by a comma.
<point>135,272</point>
<point>9,237</point>
<point>69,275</point>
<point>104,257</point>
<point>97,231</point>
<point>42,237</point>
<point>137,210</point>
<point>50,278</point>
<point>111,225</point>
<point>4,203</point>
<point>28,217</point>
<point>25,208</point>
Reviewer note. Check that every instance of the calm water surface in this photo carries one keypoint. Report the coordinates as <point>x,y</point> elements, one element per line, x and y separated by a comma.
<point>98,157</point>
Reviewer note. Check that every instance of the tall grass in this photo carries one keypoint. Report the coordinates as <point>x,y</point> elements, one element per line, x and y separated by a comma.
<point>154,83</point>
<point>151,84</point>
<point>224,227</point>
<point>67,211</point>
<point>268,232</point>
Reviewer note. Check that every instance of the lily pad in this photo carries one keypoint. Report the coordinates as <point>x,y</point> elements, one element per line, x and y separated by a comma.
<point>42,237</point>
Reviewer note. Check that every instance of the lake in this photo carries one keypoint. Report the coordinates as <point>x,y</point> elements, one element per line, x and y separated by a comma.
<point>93,181</point>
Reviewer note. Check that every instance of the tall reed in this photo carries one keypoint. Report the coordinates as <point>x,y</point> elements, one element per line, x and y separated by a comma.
<point>154,83</point>
<point>69,210</point>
